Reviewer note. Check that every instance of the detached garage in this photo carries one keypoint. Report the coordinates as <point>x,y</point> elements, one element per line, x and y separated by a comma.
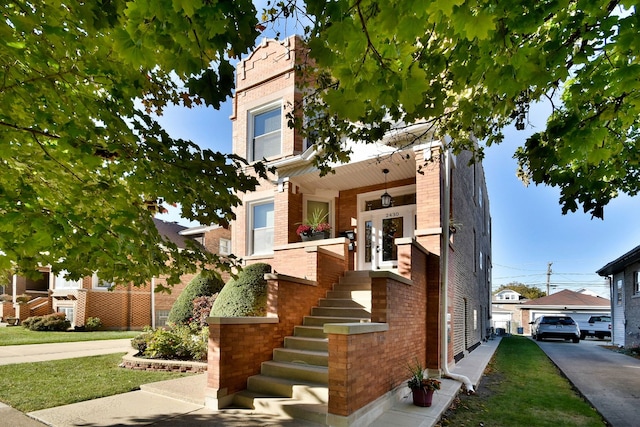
<point>577,305</point>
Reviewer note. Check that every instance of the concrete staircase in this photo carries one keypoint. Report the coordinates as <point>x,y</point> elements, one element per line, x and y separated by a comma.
<point>294,383</point>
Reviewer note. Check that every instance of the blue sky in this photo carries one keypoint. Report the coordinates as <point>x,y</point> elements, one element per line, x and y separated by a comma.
<point>529,230</point>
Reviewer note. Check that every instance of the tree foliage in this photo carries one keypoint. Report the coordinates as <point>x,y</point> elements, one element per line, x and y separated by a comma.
<point>80,152</point>
<point>468,69</point>
<point>529,292</point>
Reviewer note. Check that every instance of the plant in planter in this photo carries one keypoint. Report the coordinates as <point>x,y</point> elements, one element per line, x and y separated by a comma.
<point>23,299</point>
<point>316,226</point>
<point>6,298</point>
<point>422,388</point>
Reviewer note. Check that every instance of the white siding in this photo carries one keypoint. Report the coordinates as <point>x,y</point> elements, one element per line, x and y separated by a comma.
<point>617,312</point>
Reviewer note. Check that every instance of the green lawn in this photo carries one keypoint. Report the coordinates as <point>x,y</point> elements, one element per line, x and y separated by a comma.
<point>33,386</point>
<point>17,335</point>
<point>521,387</point>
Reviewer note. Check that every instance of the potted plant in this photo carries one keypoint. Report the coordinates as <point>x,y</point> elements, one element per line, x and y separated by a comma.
<point>421,388</point>
<point>315,228</point>
<point>12,321</point>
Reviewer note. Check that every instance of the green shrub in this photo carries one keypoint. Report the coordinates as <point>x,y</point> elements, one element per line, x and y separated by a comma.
<point>200,285</point>
<point>244,296</point>
<point>49,322</point>
<point>177,342</point>
<point>93,324</point>
<point>202,308</point>
<point>139,342</point>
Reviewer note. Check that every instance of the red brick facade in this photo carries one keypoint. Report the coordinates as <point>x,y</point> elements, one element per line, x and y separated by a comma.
<point>125,307</point>
<point>407,291</point>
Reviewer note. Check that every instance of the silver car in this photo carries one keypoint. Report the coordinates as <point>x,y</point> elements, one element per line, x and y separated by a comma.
<point>555,327</point>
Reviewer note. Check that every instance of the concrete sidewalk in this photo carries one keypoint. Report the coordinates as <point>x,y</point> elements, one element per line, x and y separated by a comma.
<point>180,402</point>
<point>43,352</point>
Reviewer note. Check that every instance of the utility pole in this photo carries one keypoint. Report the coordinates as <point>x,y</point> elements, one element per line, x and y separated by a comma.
<point>549,278</point>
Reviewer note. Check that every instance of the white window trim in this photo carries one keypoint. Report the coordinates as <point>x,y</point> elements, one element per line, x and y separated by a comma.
<point>60,280</point>
<point>250,125</point>
<point>329,200</point>
<point>95,282</point>
<point>228,245</point>
<point>249,227</point>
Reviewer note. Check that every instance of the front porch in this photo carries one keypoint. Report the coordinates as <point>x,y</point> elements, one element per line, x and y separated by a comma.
<point>365,358</point>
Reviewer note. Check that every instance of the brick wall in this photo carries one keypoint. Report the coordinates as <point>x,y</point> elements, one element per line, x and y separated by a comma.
<point>212,239</point>
<point>401,305</point>
<point>122,308</point>
<point>237,350</point>
<point>631,309</point>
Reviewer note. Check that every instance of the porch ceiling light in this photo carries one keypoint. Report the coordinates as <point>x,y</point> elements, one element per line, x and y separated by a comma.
<point>386,198</point>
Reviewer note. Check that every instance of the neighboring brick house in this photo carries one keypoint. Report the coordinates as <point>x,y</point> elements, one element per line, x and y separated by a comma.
<point>390,285</point>
<point>122,307</point>
<point>623,274</point>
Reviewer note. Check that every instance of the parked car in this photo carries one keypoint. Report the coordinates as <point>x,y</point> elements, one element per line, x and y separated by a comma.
<point>555,327</point>
<point>597,326</point>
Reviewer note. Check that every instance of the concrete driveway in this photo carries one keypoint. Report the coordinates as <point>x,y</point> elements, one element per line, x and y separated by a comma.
<point>610,381</point>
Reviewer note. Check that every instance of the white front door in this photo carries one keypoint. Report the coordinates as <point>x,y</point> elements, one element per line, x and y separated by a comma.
<point>379,229</point>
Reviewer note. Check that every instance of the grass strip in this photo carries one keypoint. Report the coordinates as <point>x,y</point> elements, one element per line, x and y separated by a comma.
<point>33,386</point>
<point>522,387</point>
<point>17,335</point>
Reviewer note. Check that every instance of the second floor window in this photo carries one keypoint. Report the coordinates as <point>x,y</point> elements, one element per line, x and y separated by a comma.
<point>266,132</point>
<point>61,282</point>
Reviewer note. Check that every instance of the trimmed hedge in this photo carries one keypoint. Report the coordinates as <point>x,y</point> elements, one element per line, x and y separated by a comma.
<point>182,310</point>
<point>244,296</point>
<point>49,322</point>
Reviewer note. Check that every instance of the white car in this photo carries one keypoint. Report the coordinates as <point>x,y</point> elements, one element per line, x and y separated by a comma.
<point>555,327</point>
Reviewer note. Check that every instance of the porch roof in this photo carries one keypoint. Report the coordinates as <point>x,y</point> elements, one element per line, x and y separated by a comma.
<point>361,171</point>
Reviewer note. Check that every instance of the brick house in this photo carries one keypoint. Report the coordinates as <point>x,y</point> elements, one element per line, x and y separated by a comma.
<point>623,274</point>
<point>389,285</point>
<point>124,307</point>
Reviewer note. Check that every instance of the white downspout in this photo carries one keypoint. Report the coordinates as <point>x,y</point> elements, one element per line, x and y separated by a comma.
<point>444,288</point>
<point>153,302</point>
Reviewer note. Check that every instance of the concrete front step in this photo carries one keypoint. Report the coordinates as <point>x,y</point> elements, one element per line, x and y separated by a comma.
<point>307,343</point>
<point>309,331</point>
<point>294,408</point>
<point>303,357</point>
<point>269,386</point>
<point>321,320</point>
<point>356,276</point>
<point>352,286</point>
<point>340,312</point>
<point>294,372</point>
<point>340,302</point>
